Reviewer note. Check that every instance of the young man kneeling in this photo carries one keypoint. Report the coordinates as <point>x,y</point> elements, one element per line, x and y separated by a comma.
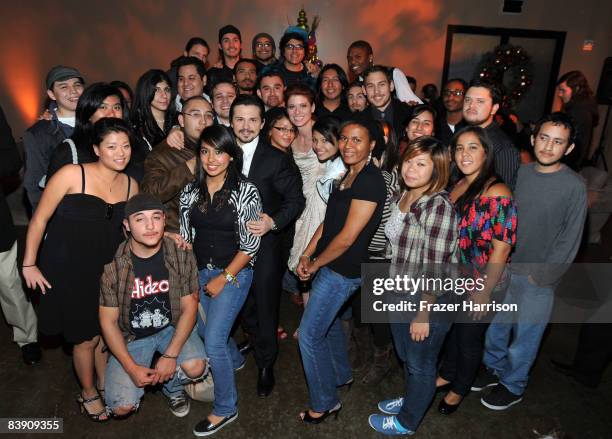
<point>148,304</point>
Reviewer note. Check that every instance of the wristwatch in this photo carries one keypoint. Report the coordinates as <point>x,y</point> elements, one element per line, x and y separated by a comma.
<point>274,226</point>
<point>229,277</point>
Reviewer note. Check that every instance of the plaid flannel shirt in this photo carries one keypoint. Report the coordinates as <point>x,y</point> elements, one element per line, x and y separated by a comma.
<point>429,240</point>
<point>117,281</point>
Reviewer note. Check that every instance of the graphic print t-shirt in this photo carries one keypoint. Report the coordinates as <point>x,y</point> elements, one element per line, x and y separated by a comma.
<point>150,310</point>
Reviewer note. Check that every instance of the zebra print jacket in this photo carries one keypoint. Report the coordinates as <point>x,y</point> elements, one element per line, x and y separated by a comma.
<point>245,201</point>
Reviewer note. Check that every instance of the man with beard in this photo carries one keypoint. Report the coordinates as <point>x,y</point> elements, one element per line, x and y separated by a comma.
<point>167,170</point>
<point>383,106</point>
<point>452,100</point>
<point>264,50</point>
<point>360,57</point>
<point>223,94</point>
<point>280,186</point>
<point>245,73</point>
<point>481,102</point>
<point>271,89</point>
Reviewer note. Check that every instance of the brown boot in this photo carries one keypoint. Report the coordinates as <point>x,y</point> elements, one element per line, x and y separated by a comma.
<point>361,344</point>
<point>381,366</point>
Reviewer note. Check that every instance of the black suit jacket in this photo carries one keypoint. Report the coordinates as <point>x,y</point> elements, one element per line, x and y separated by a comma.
<point>280,185</point>
<point>401,114</point>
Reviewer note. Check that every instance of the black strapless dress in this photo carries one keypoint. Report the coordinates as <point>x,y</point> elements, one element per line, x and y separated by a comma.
<point>81,238</point>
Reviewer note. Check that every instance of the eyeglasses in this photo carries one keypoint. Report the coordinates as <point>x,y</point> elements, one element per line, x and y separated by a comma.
<point>260,45</point>
<point>200,115</point>
<point>285,131</point>
<point>297,47</point>
<point>453,92</point>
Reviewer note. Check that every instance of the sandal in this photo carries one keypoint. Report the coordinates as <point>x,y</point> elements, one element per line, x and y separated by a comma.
<point>96,417</point>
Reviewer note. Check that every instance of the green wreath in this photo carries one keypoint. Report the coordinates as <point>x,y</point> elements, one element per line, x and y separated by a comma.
<point>505,60</point>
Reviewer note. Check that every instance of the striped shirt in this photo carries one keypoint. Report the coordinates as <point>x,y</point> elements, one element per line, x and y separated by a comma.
<point>247,203</point>
<point>379,243</point>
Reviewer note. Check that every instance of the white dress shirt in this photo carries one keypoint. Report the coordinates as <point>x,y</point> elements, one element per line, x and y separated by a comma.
<point>248,151</point>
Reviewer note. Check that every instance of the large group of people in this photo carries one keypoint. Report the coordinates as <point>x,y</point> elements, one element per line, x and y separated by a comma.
<point>164,217</point>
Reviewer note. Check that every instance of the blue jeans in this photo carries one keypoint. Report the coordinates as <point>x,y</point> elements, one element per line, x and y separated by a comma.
<point>511,361</point>
<point>220,313</point>
<point>420,369</point>
<point>322,341</point>
<point>121,390</point>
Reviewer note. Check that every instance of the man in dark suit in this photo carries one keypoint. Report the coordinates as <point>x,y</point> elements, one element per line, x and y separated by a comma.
<point>280,187</point>
<point>379,88</point>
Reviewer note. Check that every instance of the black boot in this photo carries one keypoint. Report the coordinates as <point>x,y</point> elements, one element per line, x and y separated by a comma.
<point>381,366</point>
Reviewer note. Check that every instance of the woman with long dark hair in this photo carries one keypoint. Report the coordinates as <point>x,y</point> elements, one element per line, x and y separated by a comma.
<point>325,137</point>
<point>487,231</point>
<point>214,211</point>
<point>81,211</point>
<point>423,234</point>
<point>152,116</point>
<point>579,103</point>
<point>99,100</point>
<point>331,87</point>
<point>335,254</point>
<point>420,123</point>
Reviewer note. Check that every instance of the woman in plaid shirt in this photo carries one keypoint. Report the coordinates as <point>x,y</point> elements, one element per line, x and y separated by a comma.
<point>422,231</point>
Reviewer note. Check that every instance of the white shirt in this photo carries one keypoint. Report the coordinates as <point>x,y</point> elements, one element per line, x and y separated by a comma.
<point>248,151</point>
<point>402,87</point>
<point>70,121</point>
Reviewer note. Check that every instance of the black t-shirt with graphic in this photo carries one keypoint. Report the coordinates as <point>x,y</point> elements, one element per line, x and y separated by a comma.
<point>150,310</point>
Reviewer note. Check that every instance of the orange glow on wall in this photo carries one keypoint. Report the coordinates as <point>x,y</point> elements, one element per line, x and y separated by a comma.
<point>21,78</point>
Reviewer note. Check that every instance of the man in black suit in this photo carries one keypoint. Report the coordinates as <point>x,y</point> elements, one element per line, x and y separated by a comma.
<point>280,187</point>
<point>379,88</point>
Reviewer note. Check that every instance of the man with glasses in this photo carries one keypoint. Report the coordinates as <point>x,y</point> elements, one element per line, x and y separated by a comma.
<point>167,170</point>
<point>452,100</point>
<point>264,50</point>
<point>293,46</point>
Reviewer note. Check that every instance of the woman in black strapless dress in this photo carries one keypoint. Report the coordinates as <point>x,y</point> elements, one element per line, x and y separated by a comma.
<point>82,211</point>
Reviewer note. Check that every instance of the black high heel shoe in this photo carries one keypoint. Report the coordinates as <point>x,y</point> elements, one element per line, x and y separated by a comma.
<point>348,384</point>
<point>447,409</point>
<point>305,415</point>
<point>94,416</point>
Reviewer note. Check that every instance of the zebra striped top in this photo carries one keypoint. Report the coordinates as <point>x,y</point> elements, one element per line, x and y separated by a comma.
<point>378,245</point>
<point>246,201</point>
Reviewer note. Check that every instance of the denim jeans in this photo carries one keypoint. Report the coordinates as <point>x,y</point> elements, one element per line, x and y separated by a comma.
<point>512,360</point>
<point>121,390</point>
<point>220,314</point>
<point>322,341</point>
<point>420,360</point>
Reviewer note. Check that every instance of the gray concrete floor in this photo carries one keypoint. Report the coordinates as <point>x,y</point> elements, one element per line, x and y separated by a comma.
<point>552,401</point>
